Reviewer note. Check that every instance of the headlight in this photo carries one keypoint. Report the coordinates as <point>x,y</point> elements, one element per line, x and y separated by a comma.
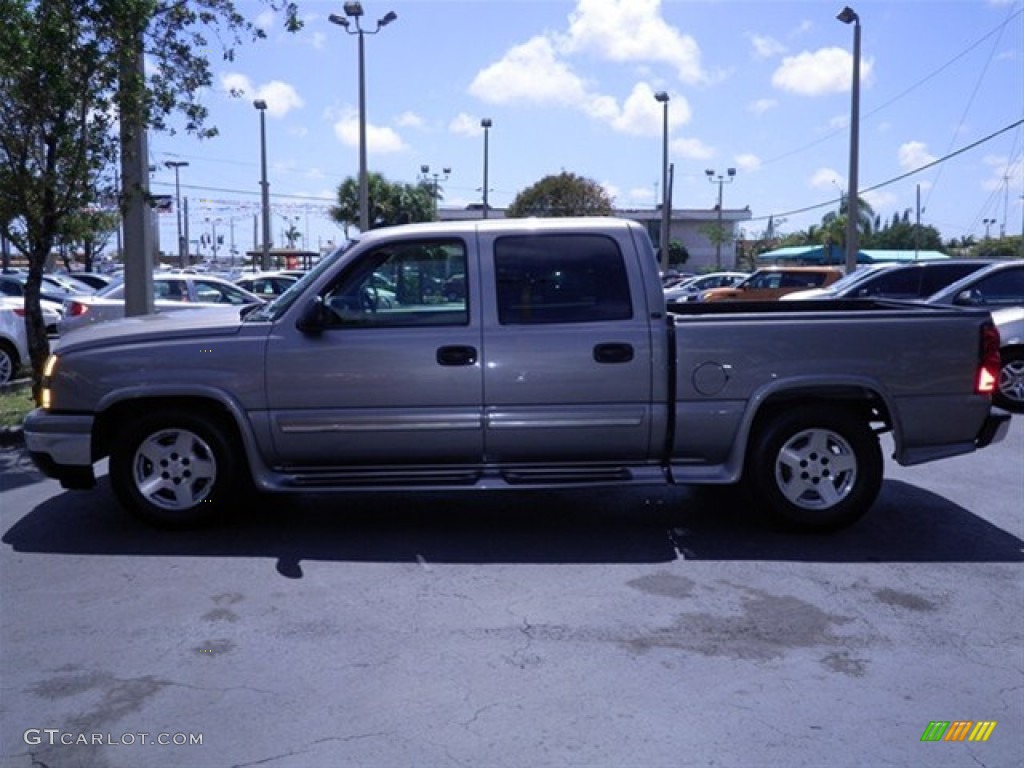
<point>45,397</point>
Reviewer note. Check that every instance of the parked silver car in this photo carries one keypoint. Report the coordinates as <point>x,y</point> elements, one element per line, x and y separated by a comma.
<point>170,293</point>
<point>999,287</point>
<point>13,340</point>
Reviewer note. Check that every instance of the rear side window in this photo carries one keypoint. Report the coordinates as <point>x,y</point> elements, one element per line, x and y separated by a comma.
<point>938,277</point>
<point>897,283</point>
<point>560,279</point>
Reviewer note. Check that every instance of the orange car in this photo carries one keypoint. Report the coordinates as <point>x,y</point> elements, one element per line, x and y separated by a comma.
<point>772,282</point>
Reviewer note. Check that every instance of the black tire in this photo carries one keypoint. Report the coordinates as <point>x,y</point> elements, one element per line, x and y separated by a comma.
<point>175,469</point>
<point>1009,392</point>
<point>8,362</point>
<point>816,468</point>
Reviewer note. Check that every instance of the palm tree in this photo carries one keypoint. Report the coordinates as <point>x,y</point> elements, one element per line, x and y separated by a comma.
<point>833,223</point>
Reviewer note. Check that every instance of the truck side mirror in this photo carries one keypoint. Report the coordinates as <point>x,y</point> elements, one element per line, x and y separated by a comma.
<point>315,317</point>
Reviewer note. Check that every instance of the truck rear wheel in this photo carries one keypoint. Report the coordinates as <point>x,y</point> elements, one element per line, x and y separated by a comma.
<point>174,469</point>
<point>816,468</point>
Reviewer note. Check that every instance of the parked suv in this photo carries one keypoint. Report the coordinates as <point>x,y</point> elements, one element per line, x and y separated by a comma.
<point>916,280</point>
<point>774,282</point>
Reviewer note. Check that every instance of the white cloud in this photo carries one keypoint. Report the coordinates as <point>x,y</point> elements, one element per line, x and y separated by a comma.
<point>643,115</point>
<point>913,155</point>
<point>538,72</point>
<point>464,124</point>
<point>748,162</point>
<point>264,20</point>
<point>828,178</point>
<point>611,190</point>
<point>760,106</point>
<point>766,47</point>
<point>827,70</point>
<point>281,97</point>
<point>632,31</point>
<point>642,194</point>
<point>529,73</point>
<point>379,139</point>
<point>691,149</point>
<point>409,120</point>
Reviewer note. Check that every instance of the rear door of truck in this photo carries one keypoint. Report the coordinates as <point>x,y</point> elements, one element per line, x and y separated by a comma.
<point>567,350</point>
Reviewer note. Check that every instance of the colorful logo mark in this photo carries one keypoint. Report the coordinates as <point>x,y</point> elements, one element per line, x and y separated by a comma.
<point>958,730</point>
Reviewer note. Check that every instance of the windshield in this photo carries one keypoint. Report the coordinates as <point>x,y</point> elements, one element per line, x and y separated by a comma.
<point>859,274</point>
<point>269,312</point>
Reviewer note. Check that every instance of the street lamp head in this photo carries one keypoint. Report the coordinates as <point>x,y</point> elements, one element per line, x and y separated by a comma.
<point>848,16</point>
<point>355,10</point>
<point>260,104</point>
<point>387,19</point>
<point>446,171</point>
<point>175,163</point>
<point>661,96</point>
<point>731,171</point>
<point>340,20</point>
<point>710,173</point>
<point>486,123</point>
<point>424,169</point>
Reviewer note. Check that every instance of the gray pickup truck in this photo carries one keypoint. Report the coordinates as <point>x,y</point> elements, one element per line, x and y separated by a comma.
<point>512,354</point>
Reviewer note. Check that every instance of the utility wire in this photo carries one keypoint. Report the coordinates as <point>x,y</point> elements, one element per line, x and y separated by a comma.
<point>895,179</point>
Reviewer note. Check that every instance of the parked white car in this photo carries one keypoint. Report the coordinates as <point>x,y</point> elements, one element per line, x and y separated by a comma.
<point>170,293</point>
<point>13,339</point>
<point>690,290</point>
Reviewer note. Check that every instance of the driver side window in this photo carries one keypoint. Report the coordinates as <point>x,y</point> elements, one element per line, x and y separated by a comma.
<point>413,283</point>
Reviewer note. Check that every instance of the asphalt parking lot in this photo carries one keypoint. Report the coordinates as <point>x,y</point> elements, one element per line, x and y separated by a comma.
<point>665,628</point>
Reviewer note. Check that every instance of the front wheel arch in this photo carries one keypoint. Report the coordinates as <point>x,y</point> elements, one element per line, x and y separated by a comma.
<point>174,467</point>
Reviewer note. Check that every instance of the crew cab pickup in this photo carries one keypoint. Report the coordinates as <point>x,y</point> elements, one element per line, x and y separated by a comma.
<point>512,354</point>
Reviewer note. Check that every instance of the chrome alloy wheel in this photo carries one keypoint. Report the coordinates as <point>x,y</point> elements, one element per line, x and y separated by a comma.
<point>174,469</point>
<point>1011,382</point>
<point>816,469</point>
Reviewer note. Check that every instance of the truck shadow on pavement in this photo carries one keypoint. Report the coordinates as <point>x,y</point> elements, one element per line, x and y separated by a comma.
<point>908,524</point>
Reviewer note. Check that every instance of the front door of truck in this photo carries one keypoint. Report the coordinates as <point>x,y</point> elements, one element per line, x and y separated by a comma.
<point>394,376</point>
<point>568,351</point>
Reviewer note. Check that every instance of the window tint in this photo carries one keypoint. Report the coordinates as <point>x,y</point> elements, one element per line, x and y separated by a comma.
<point>938,277</point>
<point>897,283</point>
<point>560,279</point>
<point>403,284</point>
<point>1004,288</point>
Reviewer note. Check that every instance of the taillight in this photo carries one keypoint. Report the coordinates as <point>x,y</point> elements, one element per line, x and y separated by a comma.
<point>19,311</point>
<point>988,367</point>
<point>77,309</point>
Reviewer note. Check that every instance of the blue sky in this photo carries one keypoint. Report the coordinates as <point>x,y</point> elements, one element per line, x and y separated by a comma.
<point>760,86</point>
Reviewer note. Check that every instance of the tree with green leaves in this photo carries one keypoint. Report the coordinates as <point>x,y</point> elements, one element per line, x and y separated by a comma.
<point>390,203</point>
<point>65,75</point>
<point>563,195</point>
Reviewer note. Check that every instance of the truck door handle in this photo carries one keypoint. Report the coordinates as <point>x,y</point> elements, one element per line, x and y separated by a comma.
<point>456,354</point>
<point>613,353</point>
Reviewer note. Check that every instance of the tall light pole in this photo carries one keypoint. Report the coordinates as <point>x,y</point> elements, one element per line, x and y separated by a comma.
<point>176,164</point>
<point>988,223</point>
<point>720,180</point>
<point>486,125</point>
<point>354,11</point>
<point>261,105</point>
<point>433,179</point>
<point>849,16</point>
<point>666,212</point>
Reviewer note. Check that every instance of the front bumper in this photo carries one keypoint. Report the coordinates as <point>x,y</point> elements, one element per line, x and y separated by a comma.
<point>995,428</point>
<point>60,445</point>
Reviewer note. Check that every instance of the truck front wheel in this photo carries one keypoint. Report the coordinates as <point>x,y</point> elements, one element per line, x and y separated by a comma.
<point>816,468</point>
<point>173,469</point>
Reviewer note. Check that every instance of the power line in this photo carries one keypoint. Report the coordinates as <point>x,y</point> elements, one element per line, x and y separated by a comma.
<point>895,179</point>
